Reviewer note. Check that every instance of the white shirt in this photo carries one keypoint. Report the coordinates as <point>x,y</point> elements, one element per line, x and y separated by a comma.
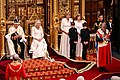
<point>110,24</point>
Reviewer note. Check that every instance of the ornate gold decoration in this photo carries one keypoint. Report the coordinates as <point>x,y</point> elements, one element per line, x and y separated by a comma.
<point>76,10</point>
<point>2,8</point>
<point>55,24</point>
<point>83,9</point>
<point>39,1</point>
<point>17,69</point>
<point>51,22</point>
<point>64,6</point>
<point>2,34</point>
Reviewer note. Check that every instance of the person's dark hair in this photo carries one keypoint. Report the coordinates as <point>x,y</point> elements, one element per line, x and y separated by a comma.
<point>84,24</point>
<point>16,57</point>
<point>78,16</point>
<point>100,15</point>
<point>72,23</point>
<point>109,18</point>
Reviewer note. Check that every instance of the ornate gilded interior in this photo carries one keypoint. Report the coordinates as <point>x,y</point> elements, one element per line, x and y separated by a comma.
<point>50,12</point>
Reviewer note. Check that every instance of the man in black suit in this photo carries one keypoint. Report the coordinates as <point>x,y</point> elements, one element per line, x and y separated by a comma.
<point>73,35</point>
<point>98,23</point>
<point>85,37</point>
<point>110,28</point>
<point>97,26</point>
<point>110,24</point>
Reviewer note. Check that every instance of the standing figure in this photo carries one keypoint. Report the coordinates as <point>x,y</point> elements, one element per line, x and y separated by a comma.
<point>110,27</point>
<point>73,35</point>
<point>98,23</point>
<point>110,24</point>
<point>15,70</point>
<point>97,26</point>
<point>16,37</point>
<point>64,43</point>
<point>39,45</point>
<point>104,50</point>
<point>85,38</point>
<point>78,25</point>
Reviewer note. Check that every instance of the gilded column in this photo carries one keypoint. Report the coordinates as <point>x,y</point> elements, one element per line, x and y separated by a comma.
<point>51,22</point>
<point>55,24</point>
<point>72,8</point>
<point>2,26</point>
<point>82,8</point>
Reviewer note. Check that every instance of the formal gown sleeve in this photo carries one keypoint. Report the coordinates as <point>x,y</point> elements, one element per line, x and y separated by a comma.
<point>62,24</point>
<point>42,35</point>
<point>7,73</point>
<point>76,36</point>
<point>33,33</point>
<point>81,34</point>
<point>23,72</point>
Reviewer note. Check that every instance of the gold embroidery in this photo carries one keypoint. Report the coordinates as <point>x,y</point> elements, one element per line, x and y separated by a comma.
<point>15,70</point>
<point>98,25</point>
<point>15,78</point>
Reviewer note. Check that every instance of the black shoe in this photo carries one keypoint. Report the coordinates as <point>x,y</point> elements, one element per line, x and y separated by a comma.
<point>84,59</point>
<point>100,69</point>
<point>105,70</point>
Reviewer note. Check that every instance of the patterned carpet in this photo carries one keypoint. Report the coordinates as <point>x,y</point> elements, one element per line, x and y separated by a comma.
<point>90,57</point>
<point>62,67</point>
<point>40,69</point>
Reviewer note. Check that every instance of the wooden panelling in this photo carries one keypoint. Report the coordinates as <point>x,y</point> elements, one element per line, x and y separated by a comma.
<point>94,16</point>
<point>94,6</point>
<point>91,11</point>
<point>87,7</point>
<point>88,20</point>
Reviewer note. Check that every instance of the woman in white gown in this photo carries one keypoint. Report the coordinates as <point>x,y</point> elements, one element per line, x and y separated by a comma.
<point>78,25</point>
<point>64,43</point>
<point>38,46</point>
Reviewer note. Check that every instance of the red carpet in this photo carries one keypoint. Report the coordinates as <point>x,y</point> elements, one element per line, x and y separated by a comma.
<point>92,74</point>
<point>79,65</point>
<point>40,69</point>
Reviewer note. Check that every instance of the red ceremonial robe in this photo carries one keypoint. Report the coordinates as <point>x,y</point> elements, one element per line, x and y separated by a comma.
<point>15,72</point>
<point>104,49</point>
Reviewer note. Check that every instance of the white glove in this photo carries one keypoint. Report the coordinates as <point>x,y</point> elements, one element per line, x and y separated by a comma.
<point>23,40</point>
<point>7,36</point>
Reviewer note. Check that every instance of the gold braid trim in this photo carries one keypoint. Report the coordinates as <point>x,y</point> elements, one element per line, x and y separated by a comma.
<point>15,70</point>
<point>99,25</point>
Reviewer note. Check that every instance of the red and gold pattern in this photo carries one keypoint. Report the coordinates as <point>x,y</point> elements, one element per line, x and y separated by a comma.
<point>43,69</point>
<point>90,57</point>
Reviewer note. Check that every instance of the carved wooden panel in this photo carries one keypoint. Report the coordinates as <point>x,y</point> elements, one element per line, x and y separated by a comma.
<point>39,1</point>
<point>76,8</point>
<point>91,10</point>
<point>64,6</point>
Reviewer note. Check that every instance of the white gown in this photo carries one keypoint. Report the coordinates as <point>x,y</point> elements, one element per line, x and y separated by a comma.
<point>39,48</point>
<point>64,43</point>
<point>79,26</point>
